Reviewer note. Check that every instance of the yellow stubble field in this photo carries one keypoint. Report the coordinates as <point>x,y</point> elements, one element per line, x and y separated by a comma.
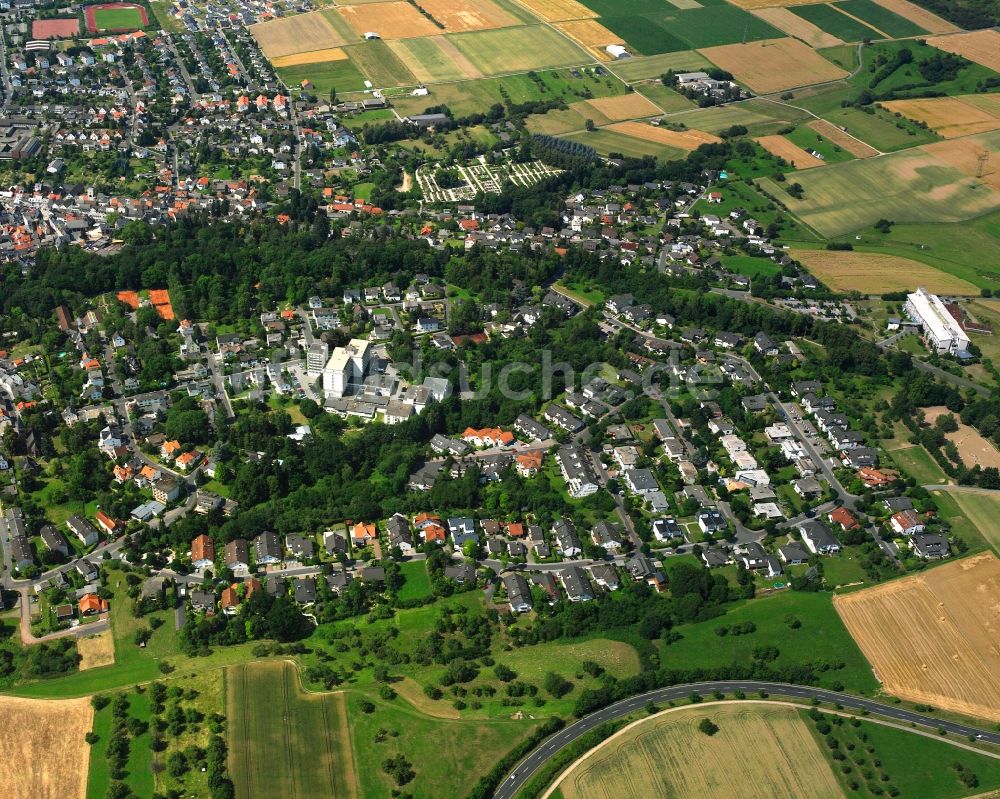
<point>932,637</point>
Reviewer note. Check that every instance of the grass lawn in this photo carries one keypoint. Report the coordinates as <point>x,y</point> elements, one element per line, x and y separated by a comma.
<point>808,139</point>
<point>113,19</point>
<point>822,636</point>
<point>139,771</point>
<point>916,765</point>
<point>750,266</point>
<point>655,66</point>
<point>418,583</point>
<point>880,129</point>
<point>843,569</point>
<point>448,755</point>
<point>918,463</point>
<point>588,294</point>
<point>666,99</point>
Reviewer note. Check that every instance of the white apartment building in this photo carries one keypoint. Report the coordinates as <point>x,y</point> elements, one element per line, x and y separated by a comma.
<point>346,369</point>
<point>316,358</point>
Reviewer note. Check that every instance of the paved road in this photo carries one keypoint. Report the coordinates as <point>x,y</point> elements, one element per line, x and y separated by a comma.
<point>524,770</point>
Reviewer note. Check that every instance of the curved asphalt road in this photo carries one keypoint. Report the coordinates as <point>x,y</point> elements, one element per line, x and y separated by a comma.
<point>524,770</point>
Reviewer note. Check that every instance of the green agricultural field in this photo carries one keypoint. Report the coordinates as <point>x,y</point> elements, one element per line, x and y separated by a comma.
<point>380,65</point>
<point>843,198</point>
<point>473,96</point>
<point>953,248</point>
<point>113,19</point>
<point>426,59</point>
<point>807,138</point>
<point>508,50</point>
<point>290,744</point>
<point>653,27</point>
<point>881,18</point>
<point>822,636</point>
<point>343,76</point>
<point>981,510</point>
<point>654,66</point>
<point>666,99</point>
<point>843,55</point>
<point>714,25</point>
<point>607,141</point>
<point>553,123</point>
<point>759,116</point>
<point>827,18</point>
<point>648,35</point>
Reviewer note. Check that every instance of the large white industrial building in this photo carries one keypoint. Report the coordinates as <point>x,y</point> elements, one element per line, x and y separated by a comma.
<point>344,373</point>
<point>943,332</point>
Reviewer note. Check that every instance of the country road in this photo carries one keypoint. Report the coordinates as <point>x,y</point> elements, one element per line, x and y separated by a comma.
<point>526,769</point>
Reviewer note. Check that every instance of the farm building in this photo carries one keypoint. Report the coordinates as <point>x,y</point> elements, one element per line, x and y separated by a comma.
<point>617,51</point>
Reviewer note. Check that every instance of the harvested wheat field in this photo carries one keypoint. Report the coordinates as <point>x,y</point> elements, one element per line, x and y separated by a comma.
<point>794,25</point>
<point>964,155</point>
<point>774,65</point>
<point>302,33</point>
<point>621,108</point>
<point>842,139</point>
<point>792,153</point>
<point>393,20</point>
<point>919,16</point>
<point>877,273</point>
<point>972,446</point>
<point>558,10</point>
<point>312,57</point>
<point>949,117</point>
<point>761,750</point>
<point>933,637</point>
<point>43,754</point>
<point>468,15</point>
<point>96,650</point>
<point>983,46</point>
<point>684,139</point>
<point>590,34</point>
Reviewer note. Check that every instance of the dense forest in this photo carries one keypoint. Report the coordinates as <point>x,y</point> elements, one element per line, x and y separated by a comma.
<point>970,14</point>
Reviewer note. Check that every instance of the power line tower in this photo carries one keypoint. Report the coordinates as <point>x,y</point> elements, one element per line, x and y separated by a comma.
<point>984,159</point>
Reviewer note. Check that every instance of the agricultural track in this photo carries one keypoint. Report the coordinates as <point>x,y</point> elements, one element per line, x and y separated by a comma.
<point>524,770</point>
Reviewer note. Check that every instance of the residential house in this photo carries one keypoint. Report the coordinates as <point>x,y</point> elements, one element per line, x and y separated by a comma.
<point>576,585</point>
<point>202,552</point>
<point>398,533</point>
<point>267,549</point>
<point>83,530</point>
<point>906,522</point>
<point>818,538</point>
<point>929,546</point>
<point>567,539</point>
<point>363,533</point>
<point>463,530</point>
<point>299,546</point>
<point>236,555</point>
<point>518,592</point>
